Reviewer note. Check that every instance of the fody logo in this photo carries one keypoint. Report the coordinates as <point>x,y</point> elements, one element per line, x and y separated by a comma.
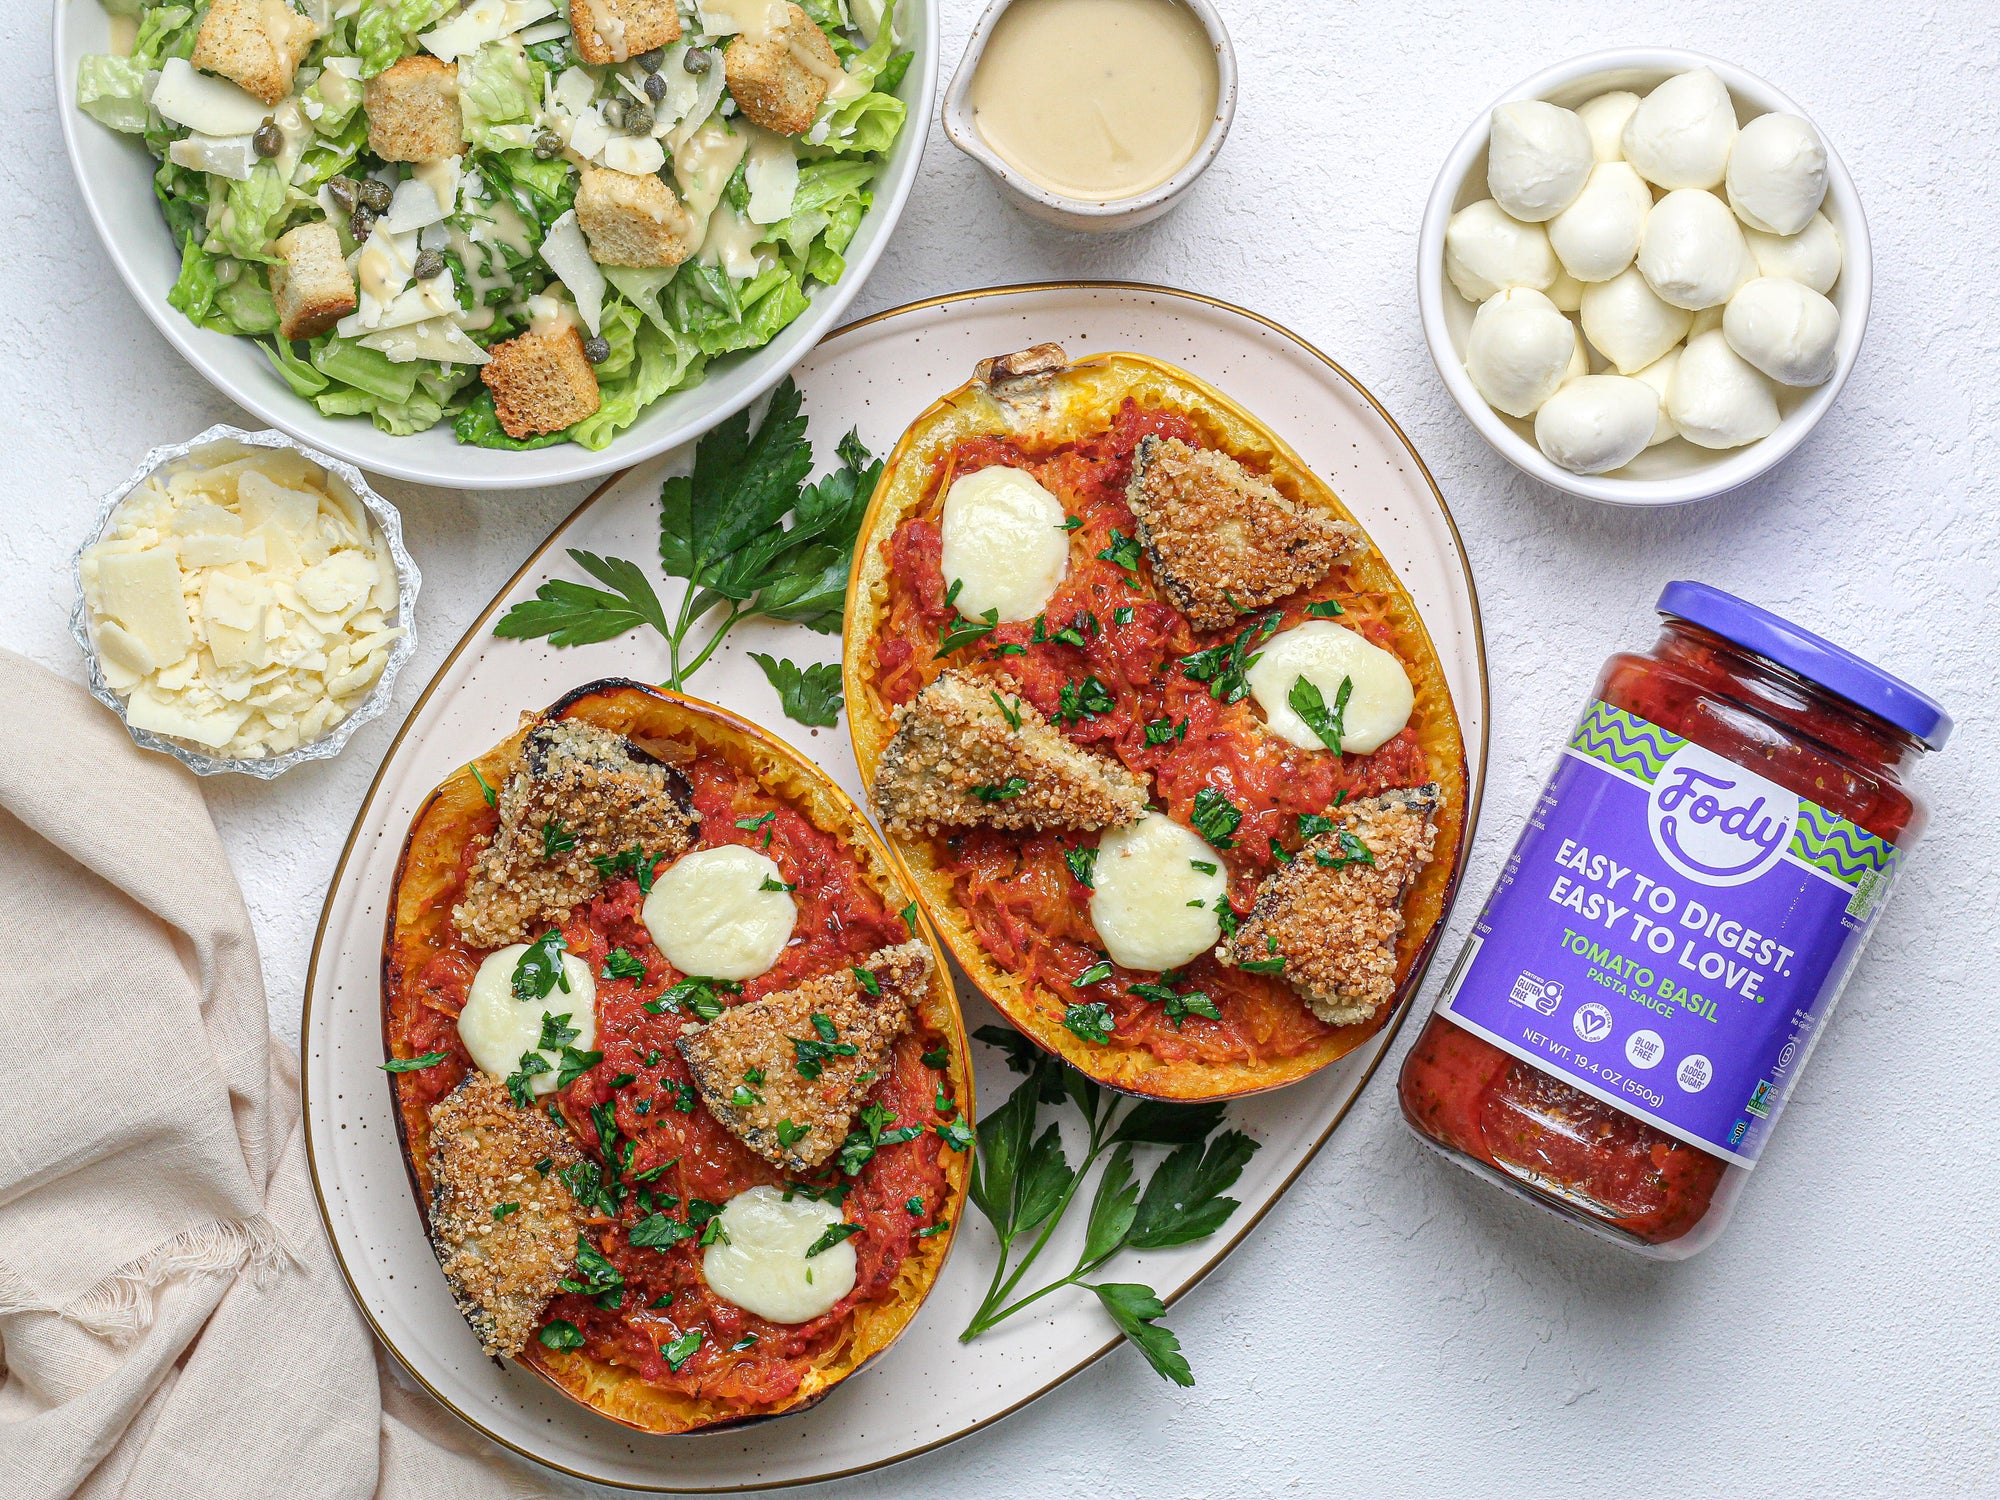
<point>1715,822</point>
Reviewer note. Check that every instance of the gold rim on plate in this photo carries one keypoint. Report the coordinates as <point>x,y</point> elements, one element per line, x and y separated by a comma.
<point>1386,1036</point>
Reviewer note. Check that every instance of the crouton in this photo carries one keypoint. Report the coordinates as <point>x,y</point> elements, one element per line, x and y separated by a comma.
<point>610,31</point>
<point>971,751</point>
<point>603,796</point>
<point>503,1222</point>
<point>541,382</point>
<point>1335,912</point>
<point>814,1075</point>
<point>779,79</point>
<point>1222,540</point>
<point>413,110</point>
<point>311,284</point>
<point>256,44</point>
<point>632,220</point>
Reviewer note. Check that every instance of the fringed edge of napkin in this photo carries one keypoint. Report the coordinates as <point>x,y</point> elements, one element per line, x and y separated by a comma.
<point>120,1306</point>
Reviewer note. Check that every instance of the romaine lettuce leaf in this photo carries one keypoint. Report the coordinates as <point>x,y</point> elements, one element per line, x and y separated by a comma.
<point>252,215</point>
<point>167,31</point>
<point>368,370</point>
<point>479,426</point>
<point>111,91</point>
<point>229,296</point>
<point>387,30</point>
<point>870,123</point>
<point>299,375</point>
<point>658,362</point>
<point>497,86</point>
<point>541,191</point>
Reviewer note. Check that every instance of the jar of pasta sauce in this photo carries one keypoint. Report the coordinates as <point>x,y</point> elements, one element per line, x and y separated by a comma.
<point>1648,978</point>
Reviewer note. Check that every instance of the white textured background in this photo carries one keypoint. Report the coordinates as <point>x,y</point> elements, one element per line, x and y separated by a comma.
<point>1395,1327</point>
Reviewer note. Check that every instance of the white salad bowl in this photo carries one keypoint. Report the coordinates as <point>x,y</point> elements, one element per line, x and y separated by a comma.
<point>114,176</point>
<point>1676,472</point>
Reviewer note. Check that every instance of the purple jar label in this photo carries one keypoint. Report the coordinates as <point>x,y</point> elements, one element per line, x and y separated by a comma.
<point>1670,933</point>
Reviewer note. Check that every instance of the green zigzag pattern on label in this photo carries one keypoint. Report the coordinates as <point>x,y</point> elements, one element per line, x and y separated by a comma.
<point>1838,847</point>
<point>1624,741</point>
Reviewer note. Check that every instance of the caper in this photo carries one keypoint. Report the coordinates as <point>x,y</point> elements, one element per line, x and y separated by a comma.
<point>362,224</point>
<point>651,61</point>
<point>697,59</point>
<point>638,118</point>
<point>614,113</point>
<point>269,140</point>
<point>428,264</point>
<point>548,145</point>
<point>656,87</point>
<point>597,349</point>
<point>376,194</point>
<point>342,191</point>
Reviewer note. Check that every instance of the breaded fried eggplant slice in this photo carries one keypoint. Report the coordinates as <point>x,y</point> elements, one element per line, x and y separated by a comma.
<point>1222,540</point>
<point>971,752</point>
<point>1335,912</point>
<point>503,1223</point>
<point>583,794</point>
<point>819,1047</point>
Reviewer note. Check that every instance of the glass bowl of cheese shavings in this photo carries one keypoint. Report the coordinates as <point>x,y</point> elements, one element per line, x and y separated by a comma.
<point>244,602</point>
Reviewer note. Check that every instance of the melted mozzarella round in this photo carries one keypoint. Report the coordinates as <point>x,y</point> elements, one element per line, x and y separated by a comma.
<point>497,1029</point>
<point>1151,907</point>
<point>759,1260</point>
<point>1378,703</point>
<point>715,913</point>
<point>1004,543</point>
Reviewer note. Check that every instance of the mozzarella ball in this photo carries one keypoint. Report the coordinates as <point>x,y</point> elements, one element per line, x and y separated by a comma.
<point>1777,174</point>
<point>1519,350</point>
<point>1565,291</point>
<point>1811,257</point>
<point>1660,375</point>
<point>1486,251</point>
<point>1692,253</point>
<point>722,913</point>
<point>1597,423</point>
<point>1784,329</point>
<point>1597,236</point>
<point>1627,324</point>
<point>1579,360</point>
<point>1537,160</point>
<point>1705,320</point>
<point>1680,135</point>
<point>1717,399</point>
<point>1604,117</point>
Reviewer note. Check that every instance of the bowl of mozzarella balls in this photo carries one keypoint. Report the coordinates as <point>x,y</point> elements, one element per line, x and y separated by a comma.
<point>1644,276</point>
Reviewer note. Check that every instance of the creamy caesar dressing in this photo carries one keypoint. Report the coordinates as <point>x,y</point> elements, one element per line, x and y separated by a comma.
<point>1096,99</point>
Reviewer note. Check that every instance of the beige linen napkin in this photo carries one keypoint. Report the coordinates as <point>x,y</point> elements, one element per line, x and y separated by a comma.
<point>171,1319</point>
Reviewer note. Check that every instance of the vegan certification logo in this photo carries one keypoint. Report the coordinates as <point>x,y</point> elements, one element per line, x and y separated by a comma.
<point>1715,822</point>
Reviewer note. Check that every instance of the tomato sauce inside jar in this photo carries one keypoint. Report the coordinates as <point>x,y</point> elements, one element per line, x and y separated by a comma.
<point>1675,924</point>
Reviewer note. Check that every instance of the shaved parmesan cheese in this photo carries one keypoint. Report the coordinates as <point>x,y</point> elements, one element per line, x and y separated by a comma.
<point>1379,699</point>
<point>1004,544</point>
<point>142,592</point>
<point>498,1029</point>
<point>567,253</point>
<point>640,155</point>
<point>425,199</point>
<point>772,175</point>
<point>572,92</point>
<point>481,22</point>
<point>1156,888</point>
<point>723,913</point>
<point>231,156</point>
<point>181,720</point>
<point>433,338</point>
<point>209,106</point>
<point>760,1260</point>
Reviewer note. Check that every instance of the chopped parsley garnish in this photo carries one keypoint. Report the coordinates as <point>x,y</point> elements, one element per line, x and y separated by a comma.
<point>1124,551</point>
<point>541,968</point>
<point>1122,615</point>
<point>486,791</point>
<point>744,1097</point>
<point>1071,523</point>
<point>835,1233</point>
<point>789,1135</point>
<point>909,916</point>
<point>1279,852</point>
<point>623,1079</point>
<point>951,594</point>
<point>595,1274</point>
<point>874,1133</point>
<point>938,1228</point>
<point>634,862</point>
<point>1011,712</point>
<point>561,1334</point>
<point>518,1081</point>
<point>751,825</point>
<point>696,994</point>
<point>1083,865</point>
<point>657,1231</point>
<point>681,1350</point>
<point>1009,648</point>
<point>963,632</point>
<point>587,1185</point>
<point>776,885</point>
<point>1083,700</point>
<point>1097,973</point>
<point>1215,817</point>
<point>1352,852</point>
<point>1311,825</point>
<point>1091,1022</point>
<point>556,839</point>
<point>1179,1006</point>
<point>956,1134</point>
<point>1160,731</point>
<point>412,1064</point>
<point>618,964</point>
<point>1275,964</point>
<point>1222,667</point>
<point>810,1053</point>
<point>1325,609</point>
<point>914,1205</point>
<point>937,1059</point>
<point>748,1341</point>
<point>1207,867</point>
<point>1225,914</point>
<point>557,1033</point>
<point>543,1166</point>
<point>1012,787</point>
<point>1039,636</point>
<point>574,1065</point>
<point>501,1210</point>
<point>865,979</point>
<point>1309,704</point>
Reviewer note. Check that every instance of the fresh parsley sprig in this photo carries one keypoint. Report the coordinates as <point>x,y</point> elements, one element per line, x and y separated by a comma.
<point>807,695</point>
<point>1024,1184</point>
<point>723,529</point>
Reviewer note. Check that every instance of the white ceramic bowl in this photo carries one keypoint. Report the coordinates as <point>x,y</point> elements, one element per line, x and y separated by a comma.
<point>1091,215</point>
<point>1676,472</point>
<point>114,176</point>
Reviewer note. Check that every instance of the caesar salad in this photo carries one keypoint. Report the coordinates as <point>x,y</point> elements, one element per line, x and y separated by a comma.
<point>529,218</point>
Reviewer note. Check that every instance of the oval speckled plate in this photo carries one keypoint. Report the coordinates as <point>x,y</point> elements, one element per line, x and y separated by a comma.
<point>874,375</point>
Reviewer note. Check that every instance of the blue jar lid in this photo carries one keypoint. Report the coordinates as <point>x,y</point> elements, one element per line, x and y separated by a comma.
<point>1832,667</point>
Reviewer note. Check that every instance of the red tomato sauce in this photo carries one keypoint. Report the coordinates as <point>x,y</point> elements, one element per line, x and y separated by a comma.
<point>1469,1094</point>
<point>841,919</point>
<point>1030,912</point>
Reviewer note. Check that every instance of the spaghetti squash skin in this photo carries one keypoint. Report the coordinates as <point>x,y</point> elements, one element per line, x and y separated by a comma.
<point>1010,905</point>
<point>851,896</point>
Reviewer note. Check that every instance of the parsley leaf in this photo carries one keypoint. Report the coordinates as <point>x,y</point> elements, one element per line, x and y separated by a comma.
<point>561,1334</point>
<point>1352,852</point>
<point>556,1032</point>
<point>807,695</point>
<point>1083,700</point>
<point>492,797</point>
<point>575,1064</point>
<point>1325,609</point>
<point>866,980</point>
<point>618,964</point>
<point>1091,1022</point>
<point>681,1350</point>
<point>956,1134</point>
<point>1011,712</point>
<point>1083,865</point>
<point>575,614</point>
<point>789,1135</point>
<point>937,1059</point>
<point>835,1233</point>
<point>657,1231</point>
<point>1222,667</point>
<point>541,969</point>
<point>518,1085</point>
<point>1012,787</point>
<point>1097,973</point>
<point>412,1064</point>
<point>1161,731</point>
<point>963,632</point>
<point>1309,704</point>
<point>556,839</point>
<point>1122,615</point>
<point>1135,1309</point>
<point>1215,817</point>
<point>1313,824</point>
<point>1124,551</point>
